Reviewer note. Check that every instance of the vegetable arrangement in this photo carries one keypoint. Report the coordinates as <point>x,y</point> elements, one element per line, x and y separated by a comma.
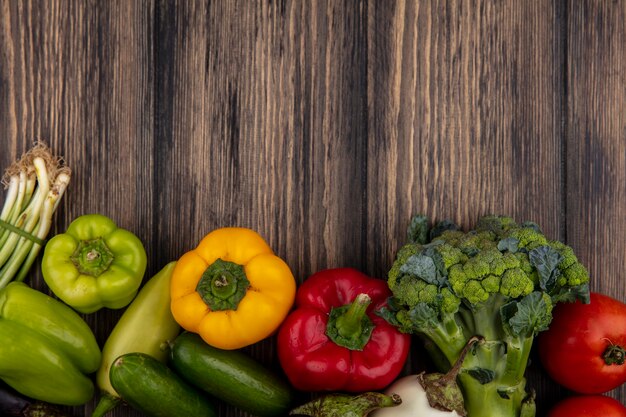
<point>500,282</point>
<point>475,299</point>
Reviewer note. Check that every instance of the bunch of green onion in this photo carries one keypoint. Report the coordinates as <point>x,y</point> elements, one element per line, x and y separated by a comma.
<point>35,184</point>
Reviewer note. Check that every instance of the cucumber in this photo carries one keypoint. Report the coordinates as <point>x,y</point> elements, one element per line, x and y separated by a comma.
<point>230,376</point>
<point>151,387</point>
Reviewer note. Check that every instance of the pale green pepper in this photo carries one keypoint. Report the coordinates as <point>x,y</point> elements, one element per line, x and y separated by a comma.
<point>146,326</point>
<point>94,264</point>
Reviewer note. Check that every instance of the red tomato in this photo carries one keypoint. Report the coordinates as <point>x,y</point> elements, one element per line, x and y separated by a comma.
<point>588,406</point>
<point>581,343</point>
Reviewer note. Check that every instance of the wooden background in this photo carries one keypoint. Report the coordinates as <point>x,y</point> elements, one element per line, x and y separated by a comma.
<point>325,125</point>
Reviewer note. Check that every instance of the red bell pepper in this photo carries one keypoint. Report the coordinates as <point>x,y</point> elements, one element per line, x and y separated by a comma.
<point>333,340</point>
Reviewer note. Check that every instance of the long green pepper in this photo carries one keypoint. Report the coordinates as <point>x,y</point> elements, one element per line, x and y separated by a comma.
<point>47,349</point>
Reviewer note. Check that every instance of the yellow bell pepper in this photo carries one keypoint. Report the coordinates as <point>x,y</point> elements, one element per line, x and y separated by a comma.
<point>232,289</point>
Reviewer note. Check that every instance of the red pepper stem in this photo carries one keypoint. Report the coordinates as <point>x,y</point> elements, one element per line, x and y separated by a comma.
<point>349,326</point>
<point>351,322</point>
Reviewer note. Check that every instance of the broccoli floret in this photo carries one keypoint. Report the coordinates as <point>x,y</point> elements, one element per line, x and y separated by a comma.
<point>450,255</point>
<point>449,301</point>
<point>403,255</point>
<point>491,283</point>
<point>516,283</point>
<point>499,281</point>
<point>411,290</point>
<point>574,275</point>
<point>528,238</point>
<point>470,243</point>
<point>569,258</point>
<point>490,272</point>
<point>474,292</point>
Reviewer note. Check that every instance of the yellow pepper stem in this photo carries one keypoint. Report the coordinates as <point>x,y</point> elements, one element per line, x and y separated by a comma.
<point>222,285</point>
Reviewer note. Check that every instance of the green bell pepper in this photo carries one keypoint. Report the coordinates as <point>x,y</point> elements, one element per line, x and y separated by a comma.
<point>47,349</point>
<point>94,264</point>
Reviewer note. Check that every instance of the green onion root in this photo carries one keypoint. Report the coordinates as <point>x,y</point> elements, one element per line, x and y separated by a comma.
<point>35,184</point>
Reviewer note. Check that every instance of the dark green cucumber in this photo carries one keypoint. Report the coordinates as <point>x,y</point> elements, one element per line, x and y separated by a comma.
<point>231,376</point>
<point>151,387</point>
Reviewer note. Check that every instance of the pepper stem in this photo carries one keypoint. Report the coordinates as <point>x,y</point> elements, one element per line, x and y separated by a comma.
<point>107,403</point>
<point>351,322</point>
<point>92,257</point>
<point>614,355</point>
<point>223,285</point>
<point>349,326</point>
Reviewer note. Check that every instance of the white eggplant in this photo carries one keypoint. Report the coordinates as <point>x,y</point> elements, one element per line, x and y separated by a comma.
<point>414,401</point>
<point>429,395</point>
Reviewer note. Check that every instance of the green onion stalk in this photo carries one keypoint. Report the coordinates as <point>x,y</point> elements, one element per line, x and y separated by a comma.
<point>35,184</point>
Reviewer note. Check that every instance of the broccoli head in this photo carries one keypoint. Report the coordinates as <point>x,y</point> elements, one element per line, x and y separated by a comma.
<point>499,281</point>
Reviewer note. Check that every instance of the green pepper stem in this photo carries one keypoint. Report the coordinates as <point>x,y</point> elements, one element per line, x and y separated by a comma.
<point>92,257</point>
<point>349,326</point>
<point>107,403</point>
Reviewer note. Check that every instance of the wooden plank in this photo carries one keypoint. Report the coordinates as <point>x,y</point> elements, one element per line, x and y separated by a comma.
<point>464,110</point>
<point>260,109</point>
<point>596,145</point>
<point>77,75</point>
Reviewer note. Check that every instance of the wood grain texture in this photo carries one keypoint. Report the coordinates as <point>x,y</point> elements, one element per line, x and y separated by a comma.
<point>326,124</point>
<point>464,118</point>
<point>261,107</point>
<point>596,143</point>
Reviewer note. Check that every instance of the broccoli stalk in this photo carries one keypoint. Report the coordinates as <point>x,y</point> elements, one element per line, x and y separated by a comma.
<point>500,282</point>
